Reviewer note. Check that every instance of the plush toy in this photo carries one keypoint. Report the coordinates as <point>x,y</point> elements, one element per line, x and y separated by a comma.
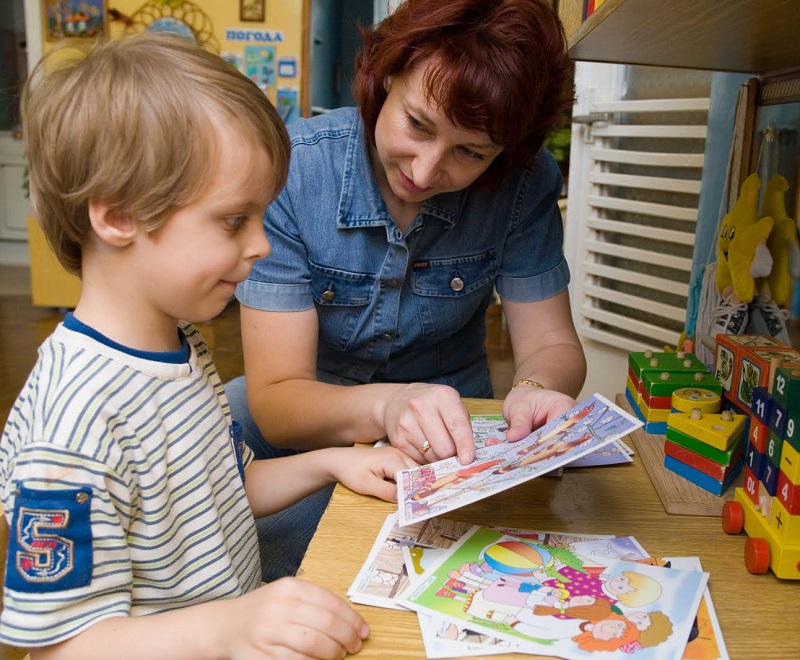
<point>782,241</point>
<point>742,252</point>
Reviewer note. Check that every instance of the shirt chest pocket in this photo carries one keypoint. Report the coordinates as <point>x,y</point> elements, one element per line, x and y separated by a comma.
<point>341,299</point>
<point>450,291</point>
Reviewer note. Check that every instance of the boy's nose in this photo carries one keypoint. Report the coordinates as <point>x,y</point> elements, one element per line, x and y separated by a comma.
<point>258,245</point>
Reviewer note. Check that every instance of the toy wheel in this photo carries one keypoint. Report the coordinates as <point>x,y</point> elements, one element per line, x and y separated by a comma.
<point>756,555</point>
<point>732,517</point>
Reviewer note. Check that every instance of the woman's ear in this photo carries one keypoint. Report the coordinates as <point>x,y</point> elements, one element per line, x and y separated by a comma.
<point>111,226</point>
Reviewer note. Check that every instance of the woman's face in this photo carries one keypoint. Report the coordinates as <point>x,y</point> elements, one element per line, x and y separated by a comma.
<point>419,152</point>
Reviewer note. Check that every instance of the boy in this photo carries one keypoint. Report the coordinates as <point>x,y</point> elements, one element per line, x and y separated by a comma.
<point>125,487</point>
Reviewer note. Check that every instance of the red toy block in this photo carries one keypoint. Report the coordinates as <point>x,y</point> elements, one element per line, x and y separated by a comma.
<point>752,485</point>
<point>788,494</point>
<point>701,463</point>
<point>758,435</point>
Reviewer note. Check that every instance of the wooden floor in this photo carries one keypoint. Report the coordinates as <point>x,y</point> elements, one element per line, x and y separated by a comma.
<point>23,327</point>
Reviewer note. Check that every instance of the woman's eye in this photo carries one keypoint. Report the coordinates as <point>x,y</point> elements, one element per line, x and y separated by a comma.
<point>469,153</point>
<point>415,123</point>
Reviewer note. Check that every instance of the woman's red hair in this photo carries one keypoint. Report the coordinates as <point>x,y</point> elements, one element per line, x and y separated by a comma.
<point>496,66</point>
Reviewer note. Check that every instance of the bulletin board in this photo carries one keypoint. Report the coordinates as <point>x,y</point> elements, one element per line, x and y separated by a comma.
<point>265,39</point>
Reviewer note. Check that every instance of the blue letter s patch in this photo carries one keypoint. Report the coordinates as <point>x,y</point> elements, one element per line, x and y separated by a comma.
<point>50,540</point>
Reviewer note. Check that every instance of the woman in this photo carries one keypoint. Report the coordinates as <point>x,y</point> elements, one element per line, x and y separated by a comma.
<point>399,220</point>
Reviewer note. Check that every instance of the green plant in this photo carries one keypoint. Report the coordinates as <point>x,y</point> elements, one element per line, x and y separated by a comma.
<point>558,142</point>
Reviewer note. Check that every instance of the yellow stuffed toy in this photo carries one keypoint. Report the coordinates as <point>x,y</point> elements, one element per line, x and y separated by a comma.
<point>782,241</point>
<point>742,252</point>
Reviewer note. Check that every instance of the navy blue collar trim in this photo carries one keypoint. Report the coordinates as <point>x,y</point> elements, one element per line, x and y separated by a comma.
<point>181,356</point>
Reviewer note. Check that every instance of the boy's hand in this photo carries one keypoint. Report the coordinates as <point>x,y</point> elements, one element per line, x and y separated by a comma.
<point>294,618</point>
<point>371,471</point>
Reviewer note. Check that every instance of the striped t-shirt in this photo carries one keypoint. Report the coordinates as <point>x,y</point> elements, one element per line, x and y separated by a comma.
<point>121,485</point>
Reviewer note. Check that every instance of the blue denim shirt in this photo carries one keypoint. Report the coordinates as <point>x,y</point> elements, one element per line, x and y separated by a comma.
<point>398,306</point>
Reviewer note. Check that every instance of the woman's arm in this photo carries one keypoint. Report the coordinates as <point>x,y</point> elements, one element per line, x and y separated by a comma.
<point>293,409</point>
<point>547,351</point>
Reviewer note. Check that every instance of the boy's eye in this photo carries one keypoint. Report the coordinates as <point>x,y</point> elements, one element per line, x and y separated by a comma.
<point>235,222</point>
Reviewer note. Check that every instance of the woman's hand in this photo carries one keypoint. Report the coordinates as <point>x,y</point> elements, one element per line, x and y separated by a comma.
<point>526,408</point>
<point>419,413</point>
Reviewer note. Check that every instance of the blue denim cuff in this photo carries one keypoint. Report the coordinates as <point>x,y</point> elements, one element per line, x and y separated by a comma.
<point>275,297</point>
<point>537,287</point>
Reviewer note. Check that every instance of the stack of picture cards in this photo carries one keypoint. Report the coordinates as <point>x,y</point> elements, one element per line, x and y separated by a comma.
<point>484,591</point>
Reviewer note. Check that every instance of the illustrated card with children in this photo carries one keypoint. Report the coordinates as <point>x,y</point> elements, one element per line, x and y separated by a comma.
<point>436,488</point>
<point>549,599</point>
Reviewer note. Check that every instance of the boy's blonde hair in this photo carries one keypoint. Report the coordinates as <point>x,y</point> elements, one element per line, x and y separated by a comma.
<point>131,123</point>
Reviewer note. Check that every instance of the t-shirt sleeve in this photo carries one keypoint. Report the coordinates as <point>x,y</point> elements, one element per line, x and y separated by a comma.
<point>68,565</point>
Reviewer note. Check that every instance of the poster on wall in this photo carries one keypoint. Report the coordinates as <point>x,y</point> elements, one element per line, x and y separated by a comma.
<point>67,18</point>
<point>287,104</point>
<point>259,65</point>
<point>251,11</point>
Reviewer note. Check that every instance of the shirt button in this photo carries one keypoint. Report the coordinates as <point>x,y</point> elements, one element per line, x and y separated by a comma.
<point>388,336</point>
<point>82,498</point>
<point>456,284</point>
<point>328,295</point>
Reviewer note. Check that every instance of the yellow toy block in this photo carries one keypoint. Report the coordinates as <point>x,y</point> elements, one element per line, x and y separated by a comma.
<point>686,399</point>
<point>654,414</point>
<point>633,390</point>
<point>785,525</point>
<point>718,430</point>
<point>790,463</point>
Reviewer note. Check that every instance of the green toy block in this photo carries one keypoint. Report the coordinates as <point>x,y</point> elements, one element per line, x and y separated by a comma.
<point>648,361</point>
<point>723,457</point>
<point>664,383</point>
<point>792,433</point>
<point>786,388</point>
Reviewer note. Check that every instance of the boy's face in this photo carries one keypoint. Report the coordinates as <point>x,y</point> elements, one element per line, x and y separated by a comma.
<point>192,264</point>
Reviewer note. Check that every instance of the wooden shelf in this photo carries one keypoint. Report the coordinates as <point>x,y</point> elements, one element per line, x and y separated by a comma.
<point>752,36</point>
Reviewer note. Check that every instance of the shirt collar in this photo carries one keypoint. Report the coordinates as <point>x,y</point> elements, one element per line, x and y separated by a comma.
<point>360,201</point>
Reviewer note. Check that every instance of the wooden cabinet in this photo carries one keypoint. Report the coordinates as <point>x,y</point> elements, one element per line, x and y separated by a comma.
<point>752,36</point>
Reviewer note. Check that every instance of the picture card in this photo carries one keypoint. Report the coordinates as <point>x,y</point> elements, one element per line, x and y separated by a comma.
<point>442,486</point>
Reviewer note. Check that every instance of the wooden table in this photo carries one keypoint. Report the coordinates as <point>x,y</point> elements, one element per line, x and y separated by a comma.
<point>758,614</point>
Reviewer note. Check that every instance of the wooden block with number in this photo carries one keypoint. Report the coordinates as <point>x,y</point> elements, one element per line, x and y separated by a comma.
<point>786,388</point>
<point>757,435</point>
<point>790,463</point>
<point>728,358</point>
<point>754,370</point>
<point>788,494</point>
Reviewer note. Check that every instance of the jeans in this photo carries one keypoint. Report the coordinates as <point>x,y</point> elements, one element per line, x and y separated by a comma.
<point>283,537</point>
